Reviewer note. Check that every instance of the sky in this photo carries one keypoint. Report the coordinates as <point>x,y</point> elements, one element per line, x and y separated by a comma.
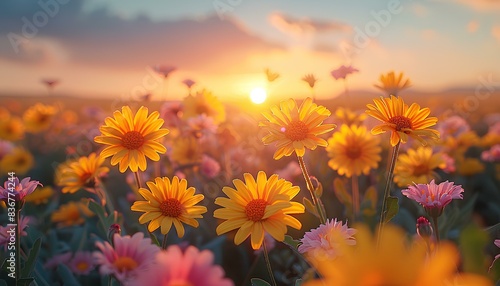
<point>99,48</point>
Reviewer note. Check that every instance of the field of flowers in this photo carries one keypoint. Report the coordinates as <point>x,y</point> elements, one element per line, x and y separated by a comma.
<point>389,190</point>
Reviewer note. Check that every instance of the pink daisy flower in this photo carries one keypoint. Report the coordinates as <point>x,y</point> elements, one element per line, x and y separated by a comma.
<point>21,189</point>
<point>188,82</point>
<point>209,167</point>
<point>343,71</point>
<point>434,197</point>
<point>497,243</point>
<point>82,263</point>
<point>327,239</point>
<point>57,259</point>
<point>193,267</point>
<point>130,256</point>
<point>5,231</point>
<point>453,126</point>
<point>492,155</point>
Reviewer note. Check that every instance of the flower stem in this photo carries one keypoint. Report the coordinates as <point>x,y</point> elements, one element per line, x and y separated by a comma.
<point>310,187</point>
<point>436,230</point>
<point>355,196</point>
<point>268,263</point>
<point>164,242</point>
<point>17,243</point>
<point>387,190</point>
<point>137,179</point>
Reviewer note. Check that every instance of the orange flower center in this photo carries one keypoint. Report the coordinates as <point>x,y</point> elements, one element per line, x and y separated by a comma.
<point>296,130</point>
<point>420,170</point>
<point>125,263</point>
<point>171,208</point>
<point>132,140</point>
<point>353,152</point>
<point>255,209</point>
<point>21,161</point>
<point>87,180</point>
<point>401,122</point>
<point>82,265</point>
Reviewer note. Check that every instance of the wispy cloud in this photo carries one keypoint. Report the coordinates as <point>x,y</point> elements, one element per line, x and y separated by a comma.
<point>303,26</point>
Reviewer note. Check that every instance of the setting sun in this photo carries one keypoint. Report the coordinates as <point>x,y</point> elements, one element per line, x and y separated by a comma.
<point>258,95</point>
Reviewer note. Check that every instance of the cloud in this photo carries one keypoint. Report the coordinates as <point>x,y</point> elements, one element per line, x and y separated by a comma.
<point>495,32</point>
<point>420,10</point>
<point>481,5</point>
<point>101,39</point>
<point>429,34</point>
<point>300,27</point>
<point>472,26</point>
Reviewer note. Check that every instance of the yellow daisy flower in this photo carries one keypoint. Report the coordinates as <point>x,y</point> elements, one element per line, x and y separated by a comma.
<point>19,161</point>
<point>470,166</point>
<point>81,174</point>
<point>391,84</point>
<point>295,128</point>
<point>349,117</point>
<point>169,202</point>
<point>392,261</point>
<point>132,138</point>
<point>39,117</point>
<point>41,196</point>
<point>204,103</point>
<point>186,150</point>
<point>417,166</point>
<point>71,214</point>
<point>401,120</point>
<point>258,206</point>
<point>353,151</point>
<point>11,129</point>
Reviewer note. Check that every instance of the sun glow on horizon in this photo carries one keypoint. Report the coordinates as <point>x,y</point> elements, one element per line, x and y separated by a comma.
<point>258,95</point>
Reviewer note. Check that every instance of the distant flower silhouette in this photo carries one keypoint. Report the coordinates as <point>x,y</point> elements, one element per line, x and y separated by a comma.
<point>164,71</point>
<point>189,84</point>
<point>51,84</point>
<point>343,71</point>
<point>271,76</point>
<point>311,80</point>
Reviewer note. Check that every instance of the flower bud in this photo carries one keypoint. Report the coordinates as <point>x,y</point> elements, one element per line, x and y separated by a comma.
<point>114,228</point>
<point>424,227</point>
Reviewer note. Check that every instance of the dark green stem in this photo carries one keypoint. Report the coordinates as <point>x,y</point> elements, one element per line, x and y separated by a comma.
<point>355,196</point>
<point>268,263</point>
<point>387,190</point>
<point>310,187</point>
<point>436,230</point>
<point>164,242</point>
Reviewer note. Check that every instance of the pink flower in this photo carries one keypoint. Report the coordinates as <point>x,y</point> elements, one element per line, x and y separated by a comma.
<point>343,71</point>
<point>327,239</point>
<point>171,112</point>
<point>449,163</point>
<point>202,125</point>
<point>209,167</point>
<point>290,171</point>
<point>130,256</point>
<point>57,259</point>
<point>164,70</point>
<point>5,148</point>
<point>188,82</point>
<point>21,189</point>
<point>82,263</point>
<point>7,231</point>
<point>193,267</point>
<point>434,197</point>
<point>453,126</point>
<point>492,155</point>
<point>497,243</point>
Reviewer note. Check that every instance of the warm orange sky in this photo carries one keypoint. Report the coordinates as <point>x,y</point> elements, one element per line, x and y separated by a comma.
<point>107,48</point>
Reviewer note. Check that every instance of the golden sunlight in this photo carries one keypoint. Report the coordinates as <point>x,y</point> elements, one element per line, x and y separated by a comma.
<point>258,95</point>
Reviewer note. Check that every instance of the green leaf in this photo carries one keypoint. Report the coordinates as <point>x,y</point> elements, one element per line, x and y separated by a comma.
<point>154,239</point>
<point>259,282</point>
<point>66,276</point>
<point>392,208</point>
<point>309,206</point>
<point>25,281</point>
<point>319,190</point>
<point>291,242</point>
<point>341,193</point>
<point>472,242</point>
<point>99,211</point>
<point>30,263</point>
